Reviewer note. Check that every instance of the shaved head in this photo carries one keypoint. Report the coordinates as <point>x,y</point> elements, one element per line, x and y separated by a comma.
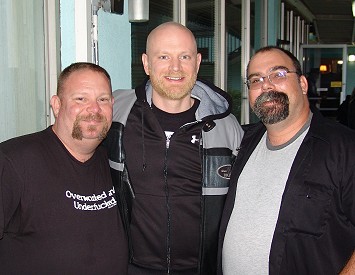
<point>166,28</point>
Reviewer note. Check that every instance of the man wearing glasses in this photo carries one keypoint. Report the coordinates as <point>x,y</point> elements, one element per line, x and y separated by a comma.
<point>290,208</point>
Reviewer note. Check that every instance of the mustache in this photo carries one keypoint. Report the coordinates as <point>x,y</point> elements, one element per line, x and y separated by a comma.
<point>92,117</point>
<point>272,96</point>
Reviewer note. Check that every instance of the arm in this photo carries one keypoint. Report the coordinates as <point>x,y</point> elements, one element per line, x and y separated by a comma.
<point>349,267</point>
<point>348,197</point>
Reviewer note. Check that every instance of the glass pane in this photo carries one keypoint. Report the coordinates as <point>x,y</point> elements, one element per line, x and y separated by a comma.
<point>201,21</point>
<point>159,12</point>
<point>234,36</point>
<point>255,40</point>
<point>324,75</point>
<point>22,78</point>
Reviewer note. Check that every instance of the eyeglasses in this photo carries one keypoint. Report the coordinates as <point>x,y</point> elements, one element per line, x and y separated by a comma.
<point>276,77</point>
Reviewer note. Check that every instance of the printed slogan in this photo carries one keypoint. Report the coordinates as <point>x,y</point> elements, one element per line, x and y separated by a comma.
<point>94,202</point>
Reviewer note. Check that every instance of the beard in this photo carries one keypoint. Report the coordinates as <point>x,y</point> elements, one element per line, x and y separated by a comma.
<point>171,91</point>
<point>77,132</point>
<point>271,107</point>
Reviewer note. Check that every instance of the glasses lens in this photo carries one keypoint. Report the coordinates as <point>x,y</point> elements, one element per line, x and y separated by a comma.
<point>255,82</point>
<point>278,76</point>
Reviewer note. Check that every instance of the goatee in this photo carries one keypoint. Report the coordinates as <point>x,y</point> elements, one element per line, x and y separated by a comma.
<point>271,107</point>
<point>77,132</point>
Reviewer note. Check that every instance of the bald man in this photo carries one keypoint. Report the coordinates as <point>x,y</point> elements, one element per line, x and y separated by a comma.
<point>171,146</point>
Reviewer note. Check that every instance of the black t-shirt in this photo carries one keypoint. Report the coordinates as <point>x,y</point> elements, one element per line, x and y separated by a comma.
<point>172,122</point>
<point>57,215</point>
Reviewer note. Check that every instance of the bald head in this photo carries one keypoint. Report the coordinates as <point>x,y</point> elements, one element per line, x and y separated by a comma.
<point>172,62</point>
<point>168,29</point>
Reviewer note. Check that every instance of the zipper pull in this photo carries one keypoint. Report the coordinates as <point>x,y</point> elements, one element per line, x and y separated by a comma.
<point>168,135</point>
<point>167,142</point>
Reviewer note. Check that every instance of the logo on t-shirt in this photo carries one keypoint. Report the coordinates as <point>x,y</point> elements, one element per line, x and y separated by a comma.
<point>194,139</point>
<point>94,202</point>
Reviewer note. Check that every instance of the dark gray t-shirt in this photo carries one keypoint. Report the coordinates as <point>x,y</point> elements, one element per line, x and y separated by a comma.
<point>57,215</point>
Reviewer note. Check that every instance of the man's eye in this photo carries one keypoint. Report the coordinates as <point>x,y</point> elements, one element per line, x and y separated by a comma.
<point>104,99</point>
<point>79,98</point>
<point>278,74</point>
<point>185,57</point>
<point>163,57</point>
<point>255,80</point>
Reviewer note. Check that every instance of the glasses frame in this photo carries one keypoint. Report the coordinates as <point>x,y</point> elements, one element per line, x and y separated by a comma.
<point>262,78</point>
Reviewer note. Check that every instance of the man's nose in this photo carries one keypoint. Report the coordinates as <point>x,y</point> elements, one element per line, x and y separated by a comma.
<point>267,84</point>
<point>175,64</point>
<point>94,107</point>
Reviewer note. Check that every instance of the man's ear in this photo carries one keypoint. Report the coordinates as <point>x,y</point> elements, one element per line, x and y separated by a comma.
<point>145,63</point>
<point>198,61</point>
<point>55,103</point>
<point>304,84</point>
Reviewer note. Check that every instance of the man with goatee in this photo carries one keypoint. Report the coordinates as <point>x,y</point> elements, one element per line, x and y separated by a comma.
<point>290,207</point>
<point>58,212</point>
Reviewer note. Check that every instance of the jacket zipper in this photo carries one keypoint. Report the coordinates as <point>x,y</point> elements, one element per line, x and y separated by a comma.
<point>168,249</point>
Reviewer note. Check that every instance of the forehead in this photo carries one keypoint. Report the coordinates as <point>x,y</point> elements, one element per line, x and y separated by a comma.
<point>86,79</point>
<point>85,75</point>
<point>262,62</point>
<point>172,39</point>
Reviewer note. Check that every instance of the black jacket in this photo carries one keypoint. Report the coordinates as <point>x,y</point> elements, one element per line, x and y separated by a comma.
<point>174,225</point>
<point>315,230</point>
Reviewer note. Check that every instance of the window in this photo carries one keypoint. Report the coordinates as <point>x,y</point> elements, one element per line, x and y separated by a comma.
<point>22,92</point>
<point>159,12</point>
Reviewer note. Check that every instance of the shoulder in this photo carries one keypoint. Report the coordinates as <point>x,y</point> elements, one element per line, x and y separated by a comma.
<point>22,144</point>
<point>331,131</point>
<point>123,97</point>
<point>228,124</point>
<point>123,102</point>
<point>230,119</point>
<point>120,94</point>
<point>25,151</point>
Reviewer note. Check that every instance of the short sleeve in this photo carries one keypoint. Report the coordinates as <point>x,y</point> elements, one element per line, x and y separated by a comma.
<point>9,192</point>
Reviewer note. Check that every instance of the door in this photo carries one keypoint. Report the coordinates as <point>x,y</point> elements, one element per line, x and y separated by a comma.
<point>326,74</point>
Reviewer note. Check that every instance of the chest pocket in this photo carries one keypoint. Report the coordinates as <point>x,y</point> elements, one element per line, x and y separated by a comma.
<point>312,203</point>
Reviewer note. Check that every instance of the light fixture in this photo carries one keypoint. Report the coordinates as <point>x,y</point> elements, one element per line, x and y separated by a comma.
<point>340,62</point>
<point>138,10</point>
<point>323,68</point>
<point>351,58</point>
<point>353,8</point>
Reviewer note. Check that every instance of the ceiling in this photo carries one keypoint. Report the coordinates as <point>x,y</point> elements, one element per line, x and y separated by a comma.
<point>333,21</point>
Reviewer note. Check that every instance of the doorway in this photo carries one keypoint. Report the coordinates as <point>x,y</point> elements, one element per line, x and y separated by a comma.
<point>326,75</point>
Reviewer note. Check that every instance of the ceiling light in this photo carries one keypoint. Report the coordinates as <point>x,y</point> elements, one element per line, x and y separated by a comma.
<point>351,58</point>
<point>138,10</point>
<point>354,8</point>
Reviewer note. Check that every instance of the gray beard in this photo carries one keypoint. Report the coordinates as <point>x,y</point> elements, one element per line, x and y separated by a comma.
<point>275,113</point>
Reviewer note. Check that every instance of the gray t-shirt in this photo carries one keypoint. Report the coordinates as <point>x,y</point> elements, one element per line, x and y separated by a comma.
<point>252,223</point>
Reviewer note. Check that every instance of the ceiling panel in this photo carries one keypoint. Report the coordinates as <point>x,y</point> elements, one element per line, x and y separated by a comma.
<point>334,22</point>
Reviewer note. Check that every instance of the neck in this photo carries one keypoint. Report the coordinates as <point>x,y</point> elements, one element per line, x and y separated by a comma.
<point>173,106</point>
<point>282,132</point>
<point>82,150</point>
<point>81,156</point>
